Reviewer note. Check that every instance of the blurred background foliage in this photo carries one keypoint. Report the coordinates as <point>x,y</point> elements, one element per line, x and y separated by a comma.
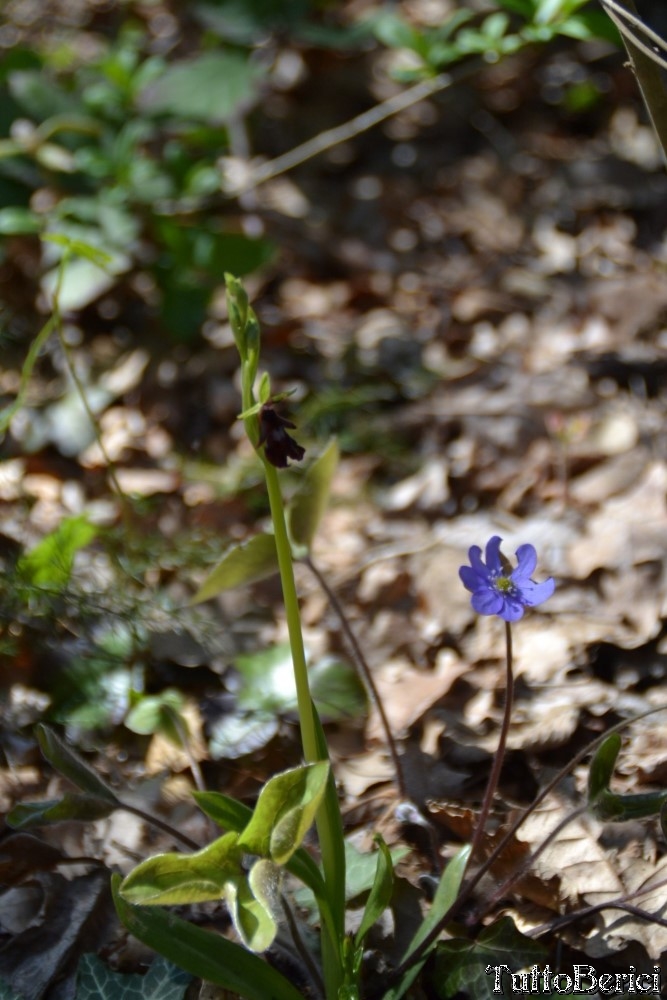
<point>124,122</point>
<point>126,128</point>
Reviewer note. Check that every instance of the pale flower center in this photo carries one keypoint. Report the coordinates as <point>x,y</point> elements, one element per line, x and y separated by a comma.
<point>504,585</point>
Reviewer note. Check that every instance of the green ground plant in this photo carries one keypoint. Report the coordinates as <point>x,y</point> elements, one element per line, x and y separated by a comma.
<point>249,864</point>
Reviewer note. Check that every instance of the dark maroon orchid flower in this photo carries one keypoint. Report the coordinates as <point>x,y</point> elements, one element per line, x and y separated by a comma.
<point>278,445</point>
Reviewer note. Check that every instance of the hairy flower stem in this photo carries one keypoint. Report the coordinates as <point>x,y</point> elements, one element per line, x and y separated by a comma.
<point>364,670</point>
<point>499,757</point>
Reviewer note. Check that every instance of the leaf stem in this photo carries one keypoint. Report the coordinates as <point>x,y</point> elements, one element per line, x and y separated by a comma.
<point>364,670</point>
<point>160,824</point>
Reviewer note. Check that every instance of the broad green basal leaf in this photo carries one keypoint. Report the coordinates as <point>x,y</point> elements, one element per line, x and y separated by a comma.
<point>185,878</point>
<point>284,812</point>
<point>206,955</point>
<point>253,905</point>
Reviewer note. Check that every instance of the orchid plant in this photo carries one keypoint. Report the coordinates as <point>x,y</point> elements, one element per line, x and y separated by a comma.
<point>246,866</point>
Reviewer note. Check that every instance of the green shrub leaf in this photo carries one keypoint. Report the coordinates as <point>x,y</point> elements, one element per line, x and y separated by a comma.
<point>212,87</point>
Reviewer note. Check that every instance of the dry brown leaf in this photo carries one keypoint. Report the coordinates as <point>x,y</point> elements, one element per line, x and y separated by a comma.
<point>627,529</point>
<point>408,693</point>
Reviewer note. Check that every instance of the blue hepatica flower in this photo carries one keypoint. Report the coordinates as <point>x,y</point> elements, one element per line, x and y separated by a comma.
<point>496,588</point>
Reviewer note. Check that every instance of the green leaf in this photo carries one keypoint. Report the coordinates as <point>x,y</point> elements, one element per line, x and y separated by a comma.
<point>185,878</point>
<point>232,815</point>
<point>268,680</point>
<point>163,981</point>
<point>445,896</point>
<point>549,11</point>
<point>526,8</point>
<point>602,766</point>
<point>80,248</point>
<point>206,955</point>
<point>310,503</point>
<point>212,87</point>
<point>245,563</point>
<point>393,31</point>
<point>49,564</point>
<point>494,27</point>
<point>337,690</point>
<point>360,872</point>
<point>285,811</point>
<point>84,808</point>
<point>252,905</point>
<point>17,221</point>
<point>153,713</point>
<point>462,964</point>
<point>7,993</point>
<point>234,736</point>
<point>68,763</point>
<point>227,812</point>
<point>380,893</point>
<point>269,686</point>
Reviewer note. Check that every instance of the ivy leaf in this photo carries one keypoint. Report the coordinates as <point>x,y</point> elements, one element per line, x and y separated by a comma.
<point>461,964</point>
<point>163,981</point>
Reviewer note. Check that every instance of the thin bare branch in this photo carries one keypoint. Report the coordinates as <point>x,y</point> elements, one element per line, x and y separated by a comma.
<point>348,130</point>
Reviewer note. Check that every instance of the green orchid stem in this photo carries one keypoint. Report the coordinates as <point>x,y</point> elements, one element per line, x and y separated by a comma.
<point>499,756</point>
<point>284,550</point>
<point>328,816</point>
